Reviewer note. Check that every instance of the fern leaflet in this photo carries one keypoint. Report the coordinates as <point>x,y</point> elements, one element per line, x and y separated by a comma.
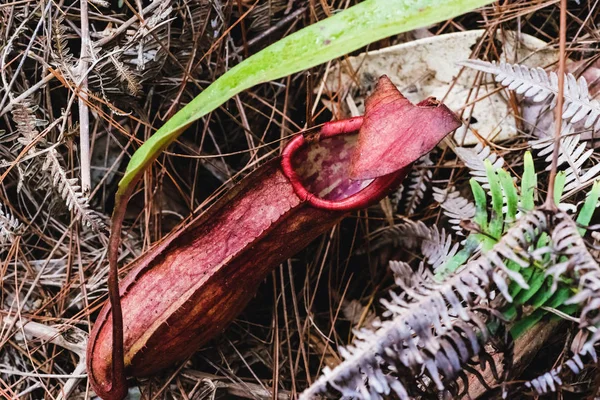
<point>69,190</point>
<point>407,341</point>
<point>9,226</point>
<point>419,178</point>
<point>474,158</point>
<point>438,248</point>
<point>535,83</point>
<point>409,234</point>
<point>571,152</point>
<point>455,207</point>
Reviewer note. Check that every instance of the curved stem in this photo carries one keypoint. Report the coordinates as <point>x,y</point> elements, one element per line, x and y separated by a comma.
<point>118,387</point>
<point>560,99</point>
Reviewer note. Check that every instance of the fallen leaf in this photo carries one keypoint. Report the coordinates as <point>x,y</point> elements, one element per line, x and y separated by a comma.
<point>428,67</point>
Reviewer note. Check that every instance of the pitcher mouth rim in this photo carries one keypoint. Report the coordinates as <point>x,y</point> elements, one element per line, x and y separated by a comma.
<point>373,192</point>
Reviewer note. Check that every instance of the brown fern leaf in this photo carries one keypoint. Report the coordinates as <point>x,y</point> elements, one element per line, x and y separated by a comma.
<point>9,226</point>
<point>70,191</point>
<point>24,117</point>
<point>419,179</point>
<point>125,75</point>
<point>61,56</point>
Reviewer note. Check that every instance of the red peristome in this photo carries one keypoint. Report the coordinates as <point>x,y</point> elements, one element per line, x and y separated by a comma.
<point>334,128</point>
<point>193,284</point>
<point>395,133</point>
<point>321,176</point>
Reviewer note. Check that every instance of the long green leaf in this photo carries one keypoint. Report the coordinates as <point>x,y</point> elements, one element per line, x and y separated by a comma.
<point>497,219</point>
<point>333,37</point>
<point>528,184</point>
<point>510,194</point>
<point>481,215</point>
<point>537,278</point>
<point>559,185</point>
<point>587,211</point>
<point>555,301</point>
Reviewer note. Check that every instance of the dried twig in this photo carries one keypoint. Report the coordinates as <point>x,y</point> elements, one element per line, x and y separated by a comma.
<point>549,203</point>
<point>84,116</point>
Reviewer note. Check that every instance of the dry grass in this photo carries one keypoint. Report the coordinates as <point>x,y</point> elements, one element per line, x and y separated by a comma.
<point>145,60</point>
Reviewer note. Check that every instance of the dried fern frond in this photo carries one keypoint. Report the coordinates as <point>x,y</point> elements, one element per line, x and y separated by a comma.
<point>407,234</point>
<point>69,190</point>
<point>573,260</point>
<point>61,55</point>
<point>126,75</point>
<point>9,226</point>
<point>159,17</point>
<point>552,380</point>
<point>143,46</point>
<point>572,153</point>
<point>420,176</point>
<point>424,318</point>
<point>455,207</point>
<point>438,248</point>
<point>26,122</point>
<point>538,85</point>
<point>197,13</point>
<point>475,157</point>
<point>24,117</point>
<point>121,69</point>
<point>262,17</point>
<point>576,259</point>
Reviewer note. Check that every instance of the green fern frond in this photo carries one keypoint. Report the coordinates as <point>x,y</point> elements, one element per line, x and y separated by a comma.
<point>495,216</point>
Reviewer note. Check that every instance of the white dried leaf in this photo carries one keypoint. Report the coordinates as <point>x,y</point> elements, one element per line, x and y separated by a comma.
<point>426,321</point>
<point>455,207</point>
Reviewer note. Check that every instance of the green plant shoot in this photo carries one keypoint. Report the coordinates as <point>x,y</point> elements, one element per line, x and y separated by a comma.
<point>505,201</point>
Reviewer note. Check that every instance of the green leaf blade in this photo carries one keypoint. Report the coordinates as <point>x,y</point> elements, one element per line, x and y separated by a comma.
<point>589,206</point>
<point>528,184</point>
<point>497,220</point>
<point>511,195</point>
<point>559,185</point>
<point>333,37</point>
<point>481,215</point>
